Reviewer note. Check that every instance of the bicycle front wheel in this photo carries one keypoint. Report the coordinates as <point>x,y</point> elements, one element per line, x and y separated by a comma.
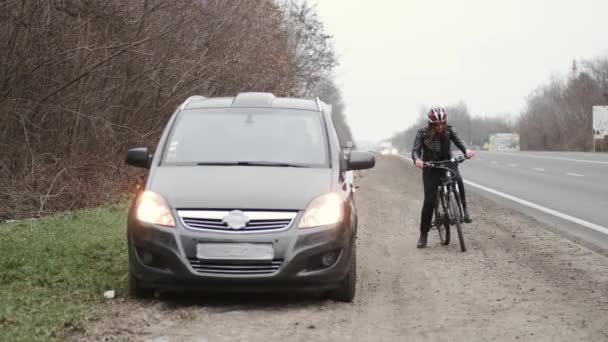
<point>442,219</point>
<point>456,219</point>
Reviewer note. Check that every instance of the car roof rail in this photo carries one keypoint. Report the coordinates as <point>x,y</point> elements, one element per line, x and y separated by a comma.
<point>319,104</point>
<point>188,100</point>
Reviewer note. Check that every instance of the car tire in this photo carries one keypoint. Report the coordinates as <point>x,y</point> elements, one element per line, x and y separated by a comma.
<point>346,291</point>
<point>136,290</point>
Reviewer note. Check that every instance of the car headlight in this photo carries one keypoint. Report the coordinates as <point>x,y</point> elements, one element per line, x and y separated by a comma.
<point>324,210</point>
<point>152,208</point>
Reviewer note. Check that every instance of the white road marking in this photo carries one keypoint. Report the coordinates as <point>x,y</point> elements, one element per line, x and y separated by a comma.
<point>557,158</point>
<point>566,217</point>
<point>513,165</point>
<point>538,169</point>
<point>575,174</point>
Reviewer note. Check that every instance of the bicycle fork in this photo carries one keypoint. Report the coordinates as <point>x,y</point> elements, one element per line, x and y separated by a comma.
<point>443,198</point>
<point>458,200</point>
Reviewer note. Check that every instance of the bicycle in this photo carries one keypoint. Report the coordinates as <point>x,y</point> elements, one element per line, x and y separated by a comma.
<point>448,195</point>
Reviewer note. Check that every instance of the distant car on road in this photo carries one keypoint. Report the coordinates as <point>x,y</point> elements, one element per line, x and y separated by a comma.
<point>389,151</point>
<point>251,192</point>
<point>386,148</point>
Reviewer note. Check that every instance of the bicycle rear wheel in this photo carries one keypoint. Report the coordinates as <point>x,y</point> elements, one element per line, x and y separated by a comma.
<point>442,219</point>
<point>455,211</point>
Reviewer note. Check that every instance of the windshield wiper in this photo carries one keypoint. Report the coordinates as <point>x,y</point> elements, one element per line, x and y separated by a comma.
<point>250,163</point>
<point>268,163</point>
<point>217,164</point>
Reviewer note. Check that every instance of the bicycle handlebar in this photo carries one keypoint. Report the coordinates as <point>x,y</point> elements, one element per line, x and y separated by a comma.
<point>443,163</point>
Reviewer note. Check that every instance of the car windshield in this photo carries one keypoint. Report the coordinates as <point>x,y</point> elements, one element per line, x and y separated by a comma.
<point>243,136</point>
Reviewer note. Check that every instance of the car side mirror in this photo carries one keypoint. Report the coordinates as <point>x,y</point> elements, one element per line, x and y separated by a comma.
<point>361,160</point>
<point>139,157</point>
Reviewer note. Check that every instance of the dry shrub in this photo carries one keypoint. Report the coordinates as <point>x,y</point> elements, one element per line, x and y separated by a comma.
<point>81,81</point>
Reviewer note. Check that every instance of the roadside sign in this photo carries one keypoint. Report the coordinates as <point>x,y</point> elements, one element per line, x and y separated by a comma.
<point>600,127</point>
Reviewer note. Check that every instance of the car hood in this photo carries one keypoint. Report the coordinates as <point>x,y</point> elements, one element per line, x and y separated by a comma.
<point>240,187</point>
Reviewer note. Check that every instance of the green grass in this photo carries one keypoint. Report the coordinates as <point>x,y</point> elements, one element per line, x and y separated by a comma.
<point>53,271</point>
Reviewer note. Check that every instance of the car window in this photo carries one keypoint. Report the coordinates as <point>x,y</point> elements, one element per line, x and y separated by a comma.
<point>229,135</point>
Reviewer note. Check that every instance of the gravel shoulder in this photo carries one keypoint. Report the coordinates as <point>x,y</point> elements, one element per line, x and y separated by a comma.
<point>517,281</point>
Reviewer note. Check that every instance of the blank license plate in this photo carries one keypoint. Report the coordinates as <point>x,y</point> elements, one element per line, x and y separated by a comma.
<point>234,251</point>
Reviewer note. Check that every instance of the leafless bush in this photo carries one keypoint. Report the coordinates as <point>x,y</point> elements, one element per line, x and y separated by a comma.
<point>83,80</point>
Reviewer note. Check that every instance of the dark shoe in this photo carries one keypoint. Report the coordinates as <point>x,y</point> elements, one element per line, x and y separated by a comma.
<point>466,217</point>
<point>422,241</point>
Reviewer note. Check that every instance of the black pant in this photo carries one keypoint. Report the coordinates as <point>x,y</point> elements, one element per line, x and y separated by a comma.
<point>430,179</point>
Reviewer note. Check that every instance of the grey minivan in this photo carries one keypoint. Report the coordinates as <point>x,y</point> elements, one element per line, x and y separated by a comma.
<point>246,193</point>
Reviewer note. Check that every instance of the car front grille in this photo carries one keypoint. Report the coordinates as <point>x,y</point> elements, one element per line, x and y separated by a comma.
<point>217,220</point>
<point>234,267</point>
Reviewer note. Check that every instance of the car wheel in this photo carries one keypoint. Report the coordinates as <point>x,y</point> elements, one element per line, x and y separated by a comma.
<point>136,289</point>
<point>347,289</point>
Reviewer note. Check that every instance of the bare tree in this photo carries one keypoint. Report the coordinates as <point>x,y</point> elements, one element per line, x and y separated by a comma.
<point>474,130</point>
<point>558,115</point>
<point>82,80</point>
<point>327,91</point>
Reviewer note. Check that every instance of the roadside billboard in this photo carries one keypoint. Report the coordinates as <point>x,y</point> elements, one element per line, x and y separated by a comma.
<point>600,128</point>
<point>503,142</point>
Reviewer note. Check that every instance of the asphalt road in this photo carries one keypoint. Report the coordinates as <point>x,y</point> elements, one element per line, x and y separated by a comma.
<point>574,184</point>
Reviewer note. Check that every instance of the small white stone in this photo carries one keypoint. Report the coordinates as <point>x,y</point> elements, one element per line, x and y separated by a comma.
<point>109,294</point>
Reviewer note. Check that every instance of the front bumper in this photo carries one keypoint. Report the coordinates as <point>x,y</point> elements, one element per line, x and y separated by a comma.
<point>165,258</point>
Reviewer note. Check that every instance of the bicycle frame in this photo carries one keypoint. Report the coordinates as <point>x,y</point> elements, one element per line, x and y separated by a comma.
<point>447,184</point>
<point>447,192</point>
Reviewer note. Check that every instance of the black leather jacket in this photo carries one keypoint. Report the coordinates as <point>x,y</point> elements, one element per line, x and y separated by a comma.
<point>423,150</point>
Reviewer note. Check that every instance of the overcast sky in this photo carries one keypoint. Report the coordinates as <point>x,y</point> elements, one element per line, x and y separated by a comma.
<point>398,56</point>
